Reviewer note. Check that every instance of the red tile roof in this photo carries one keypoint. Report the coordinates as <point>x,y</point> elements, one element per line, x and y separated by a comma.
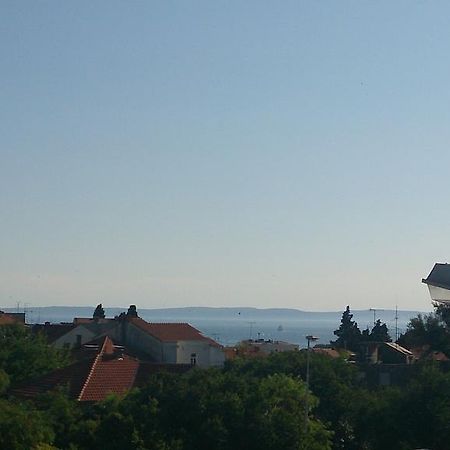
<point>53,331</point>
<point>146,369</point>
<point>108,376</point>
<point>94,378</point>
<point>331,352</point>
<point>11,318</point>
<point>172,332</point>
<point>72,376</point>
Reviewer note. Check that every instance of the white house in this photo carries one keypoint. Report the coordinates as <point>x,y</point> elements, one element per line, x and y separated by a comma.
<point>172,343</point>
<point>176,343</point>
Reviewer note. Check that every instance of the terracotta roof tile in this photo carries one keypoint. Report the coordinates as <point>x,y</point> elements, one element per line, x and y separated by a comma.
<point>172,332</point>
<point>92,379</point>
<point>72,376</point>
<point>53,331</point>
<point>109,375</point>
<point>11,318</point>
<point>146,369</point>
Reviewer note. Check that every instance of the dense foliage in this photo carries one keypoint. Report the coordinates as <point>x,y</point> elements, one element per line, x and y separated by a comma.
<point>348,334</point>
<point>24,355</point>
<point>429,331</point>
<point>350,337</point>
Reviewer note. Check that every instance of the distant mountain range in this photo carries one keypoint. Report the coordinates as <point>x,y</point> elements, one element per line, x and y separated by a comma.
<point>186,314</point>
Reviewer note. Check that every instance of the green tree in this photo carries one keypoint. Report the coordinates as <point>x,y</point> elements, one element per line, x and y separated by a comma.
<point>22,427</point>
<point>214,410</point>
<point>348,334</point>
<point>380,333</point>
<point>333,381</point>
<point>442,311</point>
<point>24,355</point>
<point>63,414</point>
<point>428,331</point>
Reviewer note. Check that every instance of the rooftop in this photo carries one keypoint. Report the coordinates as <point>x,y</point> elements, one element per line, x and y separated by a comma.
<point>172,332</point>
<point>11,318</point>
<point>108,370</point>
<point>439,276</point>
<point>53,331</point>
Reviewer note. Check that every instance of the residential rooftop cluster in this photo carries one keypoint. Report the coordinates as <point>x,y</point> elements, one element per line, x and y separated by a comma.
<point>112,355</point>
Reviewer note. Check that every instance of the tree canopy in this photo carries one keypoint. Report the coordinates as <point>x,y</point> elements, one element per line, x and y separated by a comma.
<point>24,355</point>
<point>429,331</point>
<point>348,334</point>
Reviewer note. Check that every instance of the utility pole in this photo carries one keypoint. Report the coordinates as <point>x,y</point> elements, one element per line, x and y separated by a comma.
<point>396,323</point>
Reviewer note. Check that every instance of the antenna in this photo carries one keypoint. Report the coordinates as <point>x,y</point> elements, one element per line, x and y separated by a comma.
<point>396,323</point>
<point>374,313</point>
<point>251,323</point>
<point>27,311</point>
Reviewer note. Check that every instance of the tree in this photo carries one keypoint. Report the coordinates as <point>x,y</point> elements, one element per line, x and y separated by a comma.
<point>99,312</point>
<point>379,333</point>
<point>442,311</point>
<point>348,333</point>
<point>24,355</point>
<point>212,410</point>
<point>22,427</point>
<point>427,331</point>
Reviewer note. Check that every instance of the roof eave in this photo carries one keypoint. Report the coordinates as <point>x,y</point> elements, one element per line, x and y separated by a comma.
<point>434,284</point>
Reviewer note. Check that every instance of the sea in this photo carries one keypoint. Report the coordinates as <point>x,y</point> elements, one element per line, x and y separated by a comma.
<point>228,326</point>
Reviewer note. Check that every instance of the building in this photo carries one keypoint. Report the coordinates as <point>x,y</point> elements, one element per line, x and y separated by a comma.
<point>171,343</point>
<point>12,318</point>
<point>174,343</point>
<point>77,333</point>
<point>260,347</point>
<point>438,282</point>
<point>103,368</point>
<point>385,353</point>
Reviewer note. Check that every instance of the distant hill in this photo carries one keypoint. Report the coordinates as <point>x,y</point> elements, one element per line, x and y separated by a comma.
<point>186,314</point>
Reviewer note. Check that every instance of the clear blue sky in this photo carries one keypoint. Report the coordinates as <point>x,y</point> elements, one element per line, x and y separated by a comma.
<point>268,154</point>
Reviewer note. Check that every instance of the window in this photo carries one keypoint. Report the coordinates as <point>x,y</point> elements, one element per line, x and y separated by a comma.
<point>193,359</point>
<point>78,340</point>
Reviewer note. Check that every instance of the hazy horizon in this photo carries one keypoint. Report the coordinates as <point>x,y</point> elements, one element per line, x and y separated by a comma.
<point>273,155</point>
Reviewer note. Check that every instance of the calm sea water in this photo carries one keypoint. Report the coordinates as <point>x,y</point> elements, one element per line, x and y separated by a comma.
<point>232,331</point>
<point>229,326</point>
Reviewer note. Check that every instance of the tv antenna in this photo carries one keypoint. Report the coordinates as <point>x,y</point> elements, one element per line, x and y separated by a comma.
<point>374,313</point>
<point>251,323</point>
<point>27,311</point>
<point>396,323</point>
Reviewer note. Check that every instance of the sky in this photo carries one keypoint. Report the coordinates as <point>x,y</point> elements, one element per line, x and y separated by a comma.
<point>268,154</point>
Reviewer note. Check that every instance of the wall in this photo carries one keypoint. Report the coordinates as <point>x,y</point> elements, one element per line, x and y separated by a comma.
<point>70,338</point>
<point>206,355</point>
<point>138,339</point>
<point>216,356</point>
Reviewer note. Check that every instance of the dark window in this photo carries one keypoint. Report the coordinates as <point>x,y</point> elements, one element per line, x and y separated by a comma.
<point>193,359</point>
